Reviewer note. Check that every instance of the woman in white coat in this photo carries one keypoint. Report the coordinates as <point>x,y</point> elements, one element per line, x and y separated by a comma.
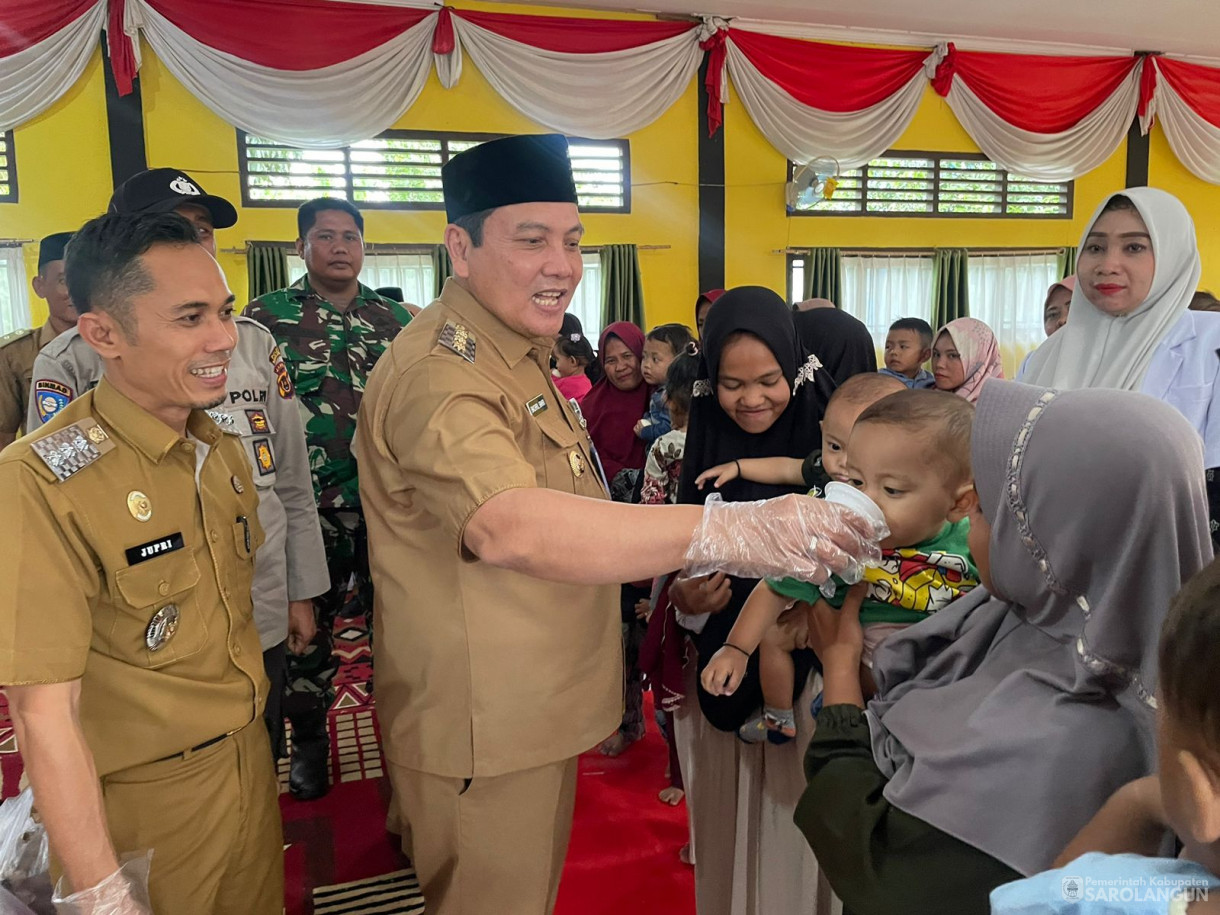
<point>1129,326</point>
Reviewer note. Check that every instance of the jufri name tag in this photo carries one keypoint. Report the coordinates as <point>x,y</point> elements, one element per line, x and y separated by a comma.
<point>537,405</point>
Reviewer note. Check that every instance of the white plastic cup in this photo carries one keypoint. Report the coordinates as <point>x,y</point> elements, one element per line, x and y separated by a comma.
<point>849,497</point>
<point>854,499</point>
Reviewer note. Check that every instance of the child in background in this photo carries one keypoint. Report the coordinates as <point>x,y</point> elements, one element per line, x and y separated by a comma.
<point>572,355</point>
<point>910,453</point>
<point>661,347</point>
<point>908,346</point>
<point>662,656</point>
<point>1120,848</point>
<point>664,465</point>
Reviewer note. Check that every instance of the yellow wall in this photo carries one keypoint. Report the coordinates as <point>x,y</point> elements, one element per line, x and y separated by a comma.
<point>180,130</point>
<point>1201,199</point>
<point>63,170</point>
<point>64,178</point>
<point>755,174</point>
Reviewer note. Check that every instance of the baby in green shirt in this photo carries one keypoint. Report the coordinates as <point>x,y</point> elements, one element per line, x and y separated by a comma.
<point>908,451</point>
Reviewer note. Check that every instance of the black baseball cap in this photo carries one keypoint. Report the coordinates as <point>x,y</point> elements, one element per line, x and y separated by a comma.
<point>162,190</point>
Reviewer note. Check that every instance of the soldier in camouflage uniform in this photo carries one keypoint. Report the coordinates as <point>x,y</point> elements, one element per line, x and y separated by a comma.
<point>331,329</point>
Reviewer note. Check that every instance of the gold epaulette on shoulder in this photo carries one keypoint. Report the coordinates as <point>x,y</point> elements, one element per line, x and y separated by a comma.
<point>457,338</point>
<point>72,448</point>
<point>14,336</point>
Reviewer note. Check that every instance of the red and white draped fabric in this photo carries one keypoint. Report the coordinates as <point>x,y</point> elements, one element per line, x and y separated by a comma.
<point>813,99</point>
<point>1042,117</point>
<point>1185,98</point>
<point>595,78</point>
<point>309,73</point>
<point>45,46</point>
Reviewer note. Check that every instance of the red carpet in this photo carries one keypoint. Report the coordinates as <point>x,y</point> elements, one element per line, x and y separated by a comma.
<point>339,858</point>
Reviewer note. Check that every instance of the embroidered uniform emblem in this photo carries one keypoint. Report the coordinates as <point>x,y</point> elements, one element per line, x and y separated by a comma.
<point>50,397</point>
<point>457,338</point>
<point>258,421</point>
<point>263,456</point>
<point>283,381</point>
<point>182,186</point>
<point>224,420</point>
<point>139,505</point>
<point>72,448</point>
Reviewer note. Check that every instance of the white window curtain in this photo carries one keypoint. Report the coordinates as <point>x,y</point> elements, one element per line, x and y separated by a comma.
<point>587,302</point>
<point>14,299</point>
<point>412,273</point>
<point>1007,292</point>
<point>880,289</point>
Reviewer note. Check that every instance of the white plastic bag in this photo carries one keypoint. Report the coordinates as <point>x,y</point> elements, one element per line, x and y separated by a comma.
<point>23,842</point>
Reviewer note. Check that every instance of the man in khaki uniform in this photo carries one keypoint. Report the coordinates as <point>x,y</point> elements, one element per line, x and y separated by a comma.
<point>494,548</point>
<point>129,654</point>
<point>18,349</point>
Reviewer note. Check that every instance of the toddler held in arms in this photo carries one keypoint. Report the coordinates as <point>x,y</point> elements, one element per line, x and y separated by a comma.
<point>910,453</point>
<point>1114,864</point>
<point>662,346</point>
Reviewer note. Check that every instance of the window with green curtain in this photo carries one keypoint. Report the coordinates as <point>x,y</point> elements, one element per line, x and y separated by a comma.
<point>824,276</point>
<point>266,268</point>
<point>950,286</point>
<point>442,269</point>
<point>622,285</point>
<point>1067,262</point>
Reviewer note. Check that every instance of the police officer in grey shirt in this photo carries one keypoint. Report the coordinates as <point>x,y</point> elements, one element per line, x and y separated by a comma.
<point>290,568</point>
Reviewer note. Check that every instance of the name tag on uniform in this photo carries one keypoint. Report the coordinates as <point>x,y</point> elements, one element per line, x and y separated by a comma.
<point>154,548</point>
<point>537,405</point>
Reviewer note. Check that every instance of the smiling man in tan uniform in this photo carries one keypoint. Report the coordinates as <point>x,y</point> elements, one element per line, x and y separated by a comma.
<point>128,648</point>
<point>495,551</point>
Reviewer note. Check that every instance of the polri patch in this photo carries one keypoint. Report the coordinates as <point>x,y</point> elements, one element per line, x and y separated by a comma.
<point>159,547</point>
<point>258,421</point>
<point>537,405</point>
<point>50,397</point>
<point>263,456</point>
<point>283,382</point>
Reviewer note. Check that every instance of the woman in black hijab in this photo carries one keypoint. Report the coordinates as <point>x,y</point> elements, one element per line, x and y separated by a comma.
<point>743,417</point>
<point>841,342</point>
<point>759,394</point>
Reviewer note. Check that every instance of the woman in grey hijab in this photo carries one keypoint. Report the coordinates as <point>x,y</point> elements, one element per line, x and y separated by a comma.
<point>1003,722</point>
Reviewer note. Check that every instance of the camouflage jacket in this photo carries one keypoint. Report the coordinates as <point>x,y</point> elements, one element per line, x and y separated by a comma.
<point>329,354</point>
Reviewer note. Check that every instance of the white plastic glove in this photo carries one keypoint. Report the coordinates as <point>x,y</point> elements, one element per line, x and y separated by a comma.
<point>125,892</point>
<point>786,537</point>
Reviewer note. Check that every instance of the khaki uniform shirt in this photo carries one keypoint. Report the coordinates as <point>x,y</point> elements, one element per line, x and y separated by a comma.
<point>85,577</point>
<point>17,352</point>
<point>480,670</point>
<point>261,407</point>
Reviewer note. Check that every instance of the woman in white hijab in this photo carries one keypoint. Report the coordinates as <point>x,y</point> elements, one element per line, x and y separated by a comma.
<point>1128,327</point>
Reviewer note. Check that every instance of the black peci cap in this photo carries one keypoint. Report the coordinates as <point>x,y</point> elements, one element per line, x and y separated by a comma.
<point>533,168</point>
<point>162,190</point>
<point>52,248</point>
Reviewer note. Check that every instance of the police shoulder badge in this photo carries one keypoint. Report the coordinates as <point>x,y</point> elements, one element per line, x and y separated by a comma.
<point>72,448</point>
<point>50,397</point>
<point>283,382</point>
<point>457,338</point>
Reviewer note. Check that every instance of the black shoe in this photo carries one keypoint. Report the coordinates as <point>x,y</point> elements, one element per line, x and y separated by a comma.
<point>308,776</point>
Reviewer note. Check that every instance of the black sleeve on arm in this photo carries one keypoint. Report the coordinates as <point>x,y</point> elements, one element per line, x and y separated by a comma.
<point>878,859</point>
